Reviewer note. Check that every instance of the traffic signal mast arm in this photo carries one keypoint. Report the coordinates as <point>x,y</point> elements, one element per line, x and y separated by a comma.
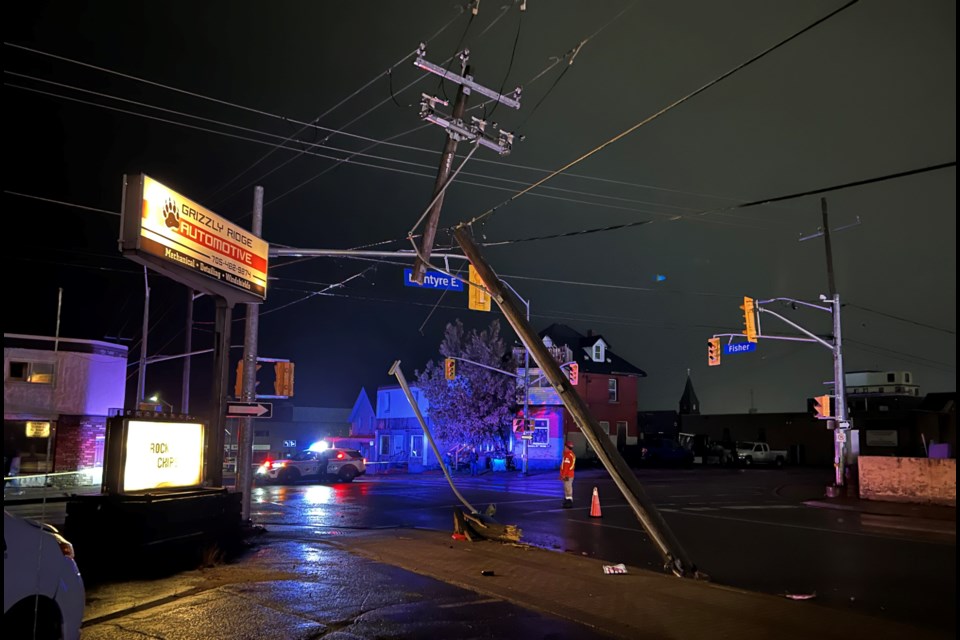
<point>812,336</point>
<point>507,373</point>
<point>565,365</point>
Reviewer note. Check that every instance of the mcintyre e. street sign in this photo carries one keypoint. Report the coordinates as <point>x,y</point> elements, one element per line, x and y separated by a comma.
<point>174,235</point>
<point>433,280</point>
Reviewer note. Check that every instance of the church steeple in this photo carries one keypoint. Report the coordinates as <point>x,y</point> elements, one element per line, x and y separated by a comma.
<point>689,403</point>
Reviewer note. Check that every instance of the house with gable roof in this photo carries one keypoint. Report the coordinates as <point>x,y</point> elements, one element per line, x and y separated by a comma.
<point>606,382</point>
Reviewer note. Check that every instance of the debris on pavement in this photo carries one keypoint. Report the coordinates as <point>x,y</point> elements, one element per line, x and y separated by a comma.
<point>487,572</point>
<point>477,526</point>
<point>800,596</point>
<point>614,568</point>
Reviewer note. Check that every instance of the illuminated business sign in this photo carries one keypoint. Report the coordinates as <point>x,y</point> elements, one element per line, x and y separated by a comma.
<point>176,236</point>
<point>38,429</point>
<point>144,454</point>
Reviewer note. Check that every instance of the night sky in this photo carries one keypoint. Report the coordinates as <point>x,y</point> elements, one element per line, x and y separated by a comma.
<point>197,95</point>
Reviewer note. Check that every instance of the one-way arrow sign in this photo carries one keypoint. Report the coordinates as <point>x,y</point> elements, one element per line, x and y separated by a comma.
<point>249,409</point>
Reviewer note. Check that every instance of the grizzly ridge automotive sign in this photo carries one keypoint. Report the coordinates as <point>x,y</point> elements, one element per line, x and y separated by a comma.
<point>176,236</point>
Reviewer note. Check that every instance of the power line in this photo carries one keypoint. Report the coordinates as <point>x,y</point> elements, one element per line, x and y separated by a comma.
<point>338,161</point>
<point>745,205</point>
<point>61,202</point>
<point>901,319</point>
<point>657,114</point>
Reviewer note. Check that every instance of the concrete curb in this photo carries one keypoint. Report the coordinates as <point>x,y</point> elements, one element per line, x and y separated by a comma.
<point>638,604</point>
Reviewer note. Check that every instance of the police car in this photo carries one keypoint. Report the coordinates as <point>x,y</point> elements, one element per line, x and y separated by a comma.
<point>336,465</point>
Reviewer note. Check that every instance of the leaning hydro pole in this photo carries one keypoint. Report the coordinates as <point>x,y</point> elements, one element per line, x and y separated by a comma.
<point>458,129</point>
<point>674,557</point>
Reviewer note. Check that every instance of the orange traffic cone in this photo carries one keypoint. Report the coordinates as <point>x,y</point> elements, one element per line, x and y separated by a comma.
<point>595,504</point>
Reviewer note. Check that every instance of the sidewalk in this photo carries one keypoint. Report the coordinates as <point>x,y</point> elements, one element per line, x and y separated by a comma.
<point>295,587</point>
<point>638,604</point>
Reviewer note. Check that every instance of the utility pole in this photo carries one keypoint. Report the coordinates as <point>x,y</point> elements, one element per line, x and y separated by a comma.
<point>674,557</point>
<point>457,130</point>
<point>187,346</point>
<point>142,371</point>
<point>443,173</point>
<point>840,424</point>
<point>218,396</point>
<point>250,339</point>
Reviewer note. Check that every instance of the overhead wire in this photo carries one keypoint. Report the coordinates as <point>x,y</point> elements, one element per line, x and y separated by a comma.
<point>338,105</point>
<point>350,154</point>
<point>901,318</point>
<point>657,114</point>
<point>348,159</point>
<point>745,205</point>
<point>570,56</point>
<point>506,76</point>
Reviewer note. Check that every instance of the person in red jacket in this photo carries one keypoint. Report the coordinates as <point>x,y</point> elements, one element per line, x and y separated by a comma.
<point>566,474</point>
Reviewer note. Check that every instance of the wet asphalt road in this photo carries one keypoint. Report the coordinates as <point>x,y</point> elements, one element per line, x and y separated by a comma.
<point>745,528</point>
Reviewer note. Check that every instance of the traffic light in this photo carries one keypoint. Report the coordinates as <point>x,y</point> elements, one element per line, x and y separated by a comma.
<point>478,299</point>
<point>450,368</point>
<point>574,374</point>
<point>822,408</point>
<point>749,319</point>
<point>283,379</point>
<point>713,352</point>
<point>238,385</point>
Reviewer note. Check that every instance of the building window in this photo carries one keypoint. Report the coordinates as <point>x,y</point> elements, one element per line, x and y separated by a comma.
<point>416,446</point>
<point>622,426</point>
<point>384,445</point>
<point>35,372</point>
<point>891,377</point>
<point>906,378</point>
<point>605,426</point>
<point>598,355</point>
<point>386,402</point>
<point>612,389</point>
<point>541,433</point>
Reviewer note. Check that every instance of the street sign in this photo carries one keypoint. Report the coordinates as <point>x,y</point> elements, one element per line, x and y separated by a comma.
<point>518,425</point>
<point>742,347</point>
<point>840,435</point>
<point>527,436</point>
<point>250,410</point>
<point>433,280</point>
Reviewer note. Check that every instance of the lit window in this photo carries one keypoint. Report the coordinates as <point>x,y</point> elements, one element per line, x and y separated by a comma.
<point>33,372</point>
<point>541,433</point>
<point>612,389</point>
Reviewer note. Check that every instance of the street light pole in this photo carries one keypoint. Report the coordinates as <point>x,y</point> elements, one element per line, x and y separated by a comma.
<point>526,380</point>
<point>156,398</point>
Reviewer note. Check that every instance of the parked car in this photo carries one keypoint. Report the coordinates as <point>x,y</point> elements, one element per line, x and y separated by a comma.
<point>43,593</point>
<point>751,453</point>
<point>665,451</point>
<point>706,451</point>
<point>341,465</point>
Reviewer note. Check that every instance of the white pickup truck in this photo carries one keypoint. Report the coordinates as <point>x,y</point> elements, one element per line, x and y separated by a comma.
<point>751,453</point>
